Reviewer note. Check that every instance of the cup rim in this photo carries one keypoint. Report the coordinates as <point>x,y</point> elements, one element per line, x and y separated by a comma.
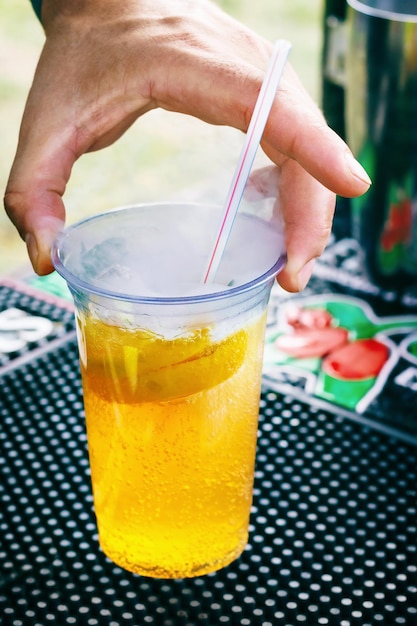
<point>77,283</point>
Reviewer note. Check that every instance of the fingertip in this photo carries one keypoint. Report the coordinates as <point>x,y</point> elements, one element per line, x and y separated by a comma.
<point>39,245</point>
<point>45,265</point>
<point>295,280</point>
<point>358,171</point>
<point>39,256</point>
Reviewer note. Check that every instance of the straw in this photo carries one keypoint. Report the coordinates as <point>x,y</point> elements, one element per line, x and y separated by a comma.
<point>253,137</point>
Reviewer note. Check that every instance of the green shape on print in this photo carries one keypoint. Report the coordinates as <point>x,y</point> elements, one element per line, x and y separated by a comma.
<point>51,283</point>
<point>352,317</point>
<point>412,348</point>
<point>346,393</point>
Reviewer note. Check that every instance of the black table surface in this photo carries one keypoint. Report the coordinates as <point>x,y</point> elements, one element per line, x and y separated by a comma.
<point>333,525</point>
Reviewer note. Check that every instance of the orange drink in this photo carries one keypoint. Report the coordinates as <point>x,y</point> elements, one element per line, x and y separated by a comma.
<point>172,433</point>
<point>171,382</point>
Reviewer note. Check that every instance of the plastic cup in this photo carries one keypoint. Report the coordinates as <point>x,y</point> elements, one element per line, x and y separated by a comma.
<point>171,374</point>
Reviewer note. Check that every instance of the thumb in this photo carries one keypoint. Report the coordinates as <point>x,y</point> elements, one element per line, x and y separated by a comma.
<point>37,211</point>
<point>33,196</point>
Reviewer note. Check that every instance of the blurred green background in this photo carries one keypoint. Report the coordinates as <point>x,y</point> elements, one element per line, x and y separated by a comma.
<point>164,155</point>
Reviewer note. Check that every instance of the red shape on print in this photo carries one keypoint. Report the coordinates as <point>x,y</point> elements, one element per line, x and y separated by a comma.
<point>398,227</point>
<point>357,360</point>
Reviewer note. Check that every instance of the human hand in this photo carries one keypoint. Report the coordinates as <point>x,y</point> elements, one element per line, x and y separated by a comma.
<point>105,63</point>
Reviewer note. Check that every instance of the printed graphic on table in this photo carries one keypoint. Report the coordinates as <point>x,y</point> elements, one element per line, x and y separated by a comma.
<point>336,348</point>
<point>18,329</point>
<point>29,321</point>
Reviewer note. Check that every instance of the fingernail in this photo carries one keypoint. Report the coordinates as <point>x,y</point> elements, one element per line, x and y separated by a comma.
<point>304,274</point>
<point>32,248</point>
<point>356,169</point>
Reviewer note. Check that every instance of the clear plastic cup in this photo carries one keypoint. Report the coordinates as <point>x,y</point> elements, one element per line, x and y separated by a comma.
<point>171,373</point>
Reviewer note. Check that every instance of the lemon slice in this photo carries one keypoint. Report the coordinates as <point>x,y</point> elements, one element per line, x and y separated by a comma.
<point>139,366</point>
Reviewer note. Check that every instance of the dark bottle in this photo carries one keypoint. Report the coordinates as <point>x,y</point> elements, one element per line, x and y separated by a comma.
<point>381,128</point>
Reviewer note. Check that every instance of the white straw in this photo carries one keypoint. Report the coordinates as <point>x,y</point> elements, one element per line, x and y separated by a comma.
<point>253,137</point>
